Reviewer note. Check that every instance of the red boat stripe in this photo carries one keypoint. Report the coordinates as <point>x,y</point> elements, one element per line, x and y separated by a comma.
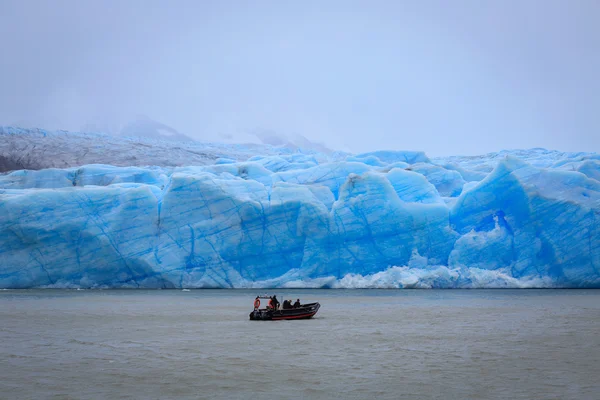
<point>294,317</point>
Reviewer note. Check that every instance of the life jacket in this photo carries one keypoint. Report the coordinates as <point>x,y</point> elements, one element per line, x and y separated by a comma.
<point>257,303</point>
<point>271,304</point>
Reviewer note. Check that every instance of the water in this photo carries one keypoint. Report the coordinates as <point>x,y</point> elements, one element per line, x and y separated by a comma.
<point>384,344</point>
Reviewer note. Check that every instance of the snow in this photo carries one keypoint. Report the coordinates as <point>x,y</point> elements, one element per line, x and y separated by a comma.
<point>60,149</point>
<point>228,216</point>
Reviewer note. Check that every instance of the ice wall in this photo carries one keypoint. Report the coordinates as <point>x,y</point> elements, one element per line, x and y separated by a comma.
<point>383,219</point>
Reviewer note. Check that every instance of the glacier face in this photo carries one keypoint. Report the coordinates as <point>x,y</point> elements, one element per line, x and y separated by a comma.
<point>290,219</point>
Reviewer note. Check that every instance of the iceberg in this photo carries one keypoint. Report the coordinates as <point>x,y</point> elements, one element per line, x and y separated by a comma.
<point>248,217</point>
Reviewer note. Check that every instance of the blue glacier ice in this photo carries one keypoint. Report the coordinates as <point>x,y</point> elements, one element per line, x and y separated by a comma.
<point>277,217</point>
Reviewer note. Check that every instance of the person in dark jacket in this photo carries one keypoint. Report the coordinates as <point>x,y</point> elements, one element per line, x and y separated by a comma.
<point>297,304</point>
<point>275,302</point>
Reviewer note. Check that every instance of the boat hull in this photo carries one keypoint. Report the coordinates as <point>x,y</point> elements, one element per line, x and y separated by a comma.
<point>305,312</point>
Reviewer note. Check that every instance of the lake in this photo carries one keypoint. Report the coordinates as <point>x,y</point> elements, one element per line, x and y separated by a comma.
<point>384,344</point>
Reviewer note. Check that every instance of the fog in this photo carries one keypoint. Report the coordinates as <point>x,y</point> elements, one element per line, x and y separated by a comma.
<point>462,77</point>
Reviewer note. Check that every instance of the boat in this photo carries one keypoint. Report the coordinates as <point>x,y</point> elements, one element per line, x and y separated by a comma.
<point>304,311</point>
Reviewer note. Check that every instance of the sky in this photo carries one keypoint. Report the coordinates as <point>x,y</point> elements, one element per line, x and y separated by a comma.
<point>445,77</point>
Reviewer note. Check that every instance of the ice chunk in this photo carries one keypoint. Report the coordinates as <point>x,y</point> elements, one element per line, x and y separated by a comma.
<point>552,217</point>
<point>448,183</point>
<point>369,160</point>
<point>412,187</point>
<point>388,157</point>
<point>331,175</point>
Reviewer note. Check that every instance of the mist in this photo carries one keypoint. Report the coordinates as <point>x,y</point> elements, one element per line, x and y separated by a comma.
<point>464,77</point>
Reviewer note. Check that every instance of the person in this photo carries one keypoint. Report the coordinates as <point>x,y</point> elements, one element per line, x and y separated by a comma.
<point>297,303</point>
<point>287,304</point>
<point>275,302</point>
<point>256,303</point>
<point>271,304</point>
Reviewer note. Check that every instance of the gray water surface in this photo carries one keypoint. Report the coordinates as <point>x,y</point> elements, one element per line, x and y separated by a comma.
<point>379,344</point>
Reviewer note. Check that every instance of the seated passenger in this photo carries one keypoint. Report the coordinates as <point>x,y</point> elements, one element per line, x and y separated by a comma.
<point>297,303</point>
<point>286,304</point>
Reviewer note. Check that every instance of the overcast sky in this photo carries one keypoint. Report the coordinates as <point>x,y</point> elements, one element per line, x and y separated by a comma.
<point>446,77</point>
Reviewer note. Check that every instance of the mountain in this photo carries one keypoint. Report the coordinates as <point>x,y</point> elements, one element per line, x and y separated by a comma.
<point>290,141</point>
<point>148,128</point>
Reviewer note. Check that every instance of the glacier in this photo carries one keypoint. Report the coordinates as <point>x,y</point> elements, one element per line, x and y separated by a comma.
<point>197,215</point>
